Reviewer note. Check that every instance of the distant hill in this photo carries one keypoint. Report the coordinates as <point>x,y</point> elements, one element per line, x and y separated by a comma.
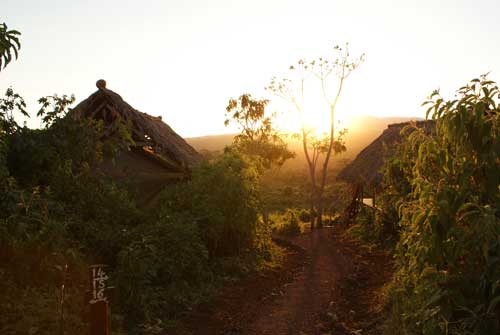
<point>210,142</point>
<point>362,131</point>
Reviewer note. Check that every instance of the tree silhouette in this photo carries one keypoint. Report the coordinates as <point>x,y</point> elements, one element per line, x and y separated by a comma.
<point>338,67</point>
<point>259,139</point>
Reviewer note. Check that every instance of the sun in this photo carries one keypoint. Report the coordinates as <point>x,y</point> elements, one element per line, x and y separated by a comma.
<point>315,118</point>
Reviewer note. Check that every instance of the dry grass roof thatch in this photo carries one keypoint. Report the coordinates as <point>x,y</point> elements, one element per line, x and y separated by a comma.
<point>147,131</point>
<point>366,167</point>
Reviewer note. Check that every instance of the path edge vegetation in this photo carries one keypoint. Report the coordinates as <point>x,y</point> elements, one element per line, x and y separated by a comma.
<point>439,215</point>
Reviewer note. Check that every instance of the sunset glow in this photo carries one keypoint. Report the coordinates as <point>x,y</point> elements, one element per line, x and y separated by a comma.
<point>249,167</point>
<point>183,60</point>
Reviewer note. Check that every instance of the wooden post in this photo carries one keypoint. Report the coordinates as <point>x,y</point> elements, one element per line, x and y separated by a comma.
<point>99,322</point>
<point>61,300</point>
<point>99,318</point>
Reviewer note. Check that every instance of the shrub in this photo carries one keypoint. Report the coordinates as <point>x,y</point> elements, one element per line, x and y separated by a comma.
<point>222,198</point>
<point>364,228</point>
<point>448,273</point>
<point>305,215</point>
<point>163,272</point>
<point>286,223</point>
<point>35,309</point>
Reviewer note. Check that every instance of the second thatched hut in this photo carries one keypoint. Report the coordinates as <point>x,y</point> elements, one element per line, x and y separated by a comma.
<point>364,173</point>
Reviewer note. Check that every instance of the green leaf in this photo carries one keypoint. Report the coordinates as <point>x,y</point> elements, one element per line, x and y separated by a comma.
<point>493,304</point>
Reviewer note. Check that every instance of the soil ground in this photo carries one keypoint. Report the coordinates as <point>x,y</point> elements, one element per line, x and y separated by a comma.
<point>329,284</point>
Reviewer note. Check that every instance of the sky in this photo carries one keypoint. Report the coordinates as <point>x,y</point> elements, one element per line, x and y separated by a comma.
<point>184,59</point>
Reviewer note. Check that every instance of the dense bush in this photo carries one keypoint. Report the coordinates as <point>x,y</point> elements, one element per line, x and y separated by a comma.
<point>204,230</point>
<point>28,309</point>
<point>55,170</point>
<point>292,227</point>
<point>286,223</point>
<point>222,197</point>
<point>396,190</point>
<point>448,273</point>
<point>365,228</point>
<point>163,272</point>
<point>34,250</point>
<point>56,212</point>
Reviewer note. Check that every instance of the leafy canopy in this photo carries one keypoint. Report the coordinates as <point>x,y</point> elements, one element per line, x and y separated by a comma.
<point>10,105</point>
<point>258,139</point>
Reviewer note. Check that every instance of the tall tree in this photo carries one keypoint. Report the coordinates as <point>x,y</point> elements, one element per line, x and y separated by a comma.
<point>337,68</point>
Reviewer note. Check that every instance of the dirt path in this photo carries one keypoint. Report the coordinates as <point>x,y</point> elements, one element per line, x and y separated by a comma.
<point>329,283</point>
<point>301,307</point>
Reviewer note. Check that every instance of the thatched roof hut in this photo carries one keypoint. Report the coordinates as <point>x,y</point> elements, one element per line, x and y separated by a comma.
<point>159,157</point>
<point>366,168</point>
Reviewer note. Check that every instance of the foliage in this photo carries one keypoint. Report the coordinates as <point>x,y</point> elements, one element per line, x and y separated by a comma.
<point>54,107</point>
<point>222,198</point>
<point>286,223</point>
<point>36,156</point>
<point>11,104</point>
<point>9,43</point>
<point>340,66</point>
<point>448,275</point>
<point>38,307</point>
<point>34,245</point>
<point>364,228</point>
<point>258,139</point>
<point>282,188</point>
<point>396,190</point>
<point>320,145</point>
<point>164,270</point>
<point>293,227</point>
<point>58,210</point>
<point>205,230</point>
<point>305,215</point>
<point>55,211</point>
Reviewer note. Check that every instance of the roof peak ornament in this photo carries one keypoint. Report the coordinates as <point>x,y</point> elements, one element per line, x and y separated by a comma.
<point>101,84</point>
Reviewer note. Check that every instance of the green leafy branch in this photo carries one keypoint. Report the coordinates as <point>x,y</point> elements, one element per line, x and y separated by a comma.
<point>9,45</point>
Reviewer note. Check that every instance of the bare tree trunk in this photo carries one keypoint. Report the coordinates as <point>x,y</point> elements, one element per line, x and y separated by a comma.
<point>313,199</point>
<point>324,171</point>
<point>312,174</point>
<point>312,217</point>
<point>319,219</point>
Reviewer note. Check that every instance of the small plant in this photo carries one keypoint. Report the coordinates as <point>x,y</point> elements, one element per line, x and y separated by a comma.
<point>286,223</point>
<point>305,215</point>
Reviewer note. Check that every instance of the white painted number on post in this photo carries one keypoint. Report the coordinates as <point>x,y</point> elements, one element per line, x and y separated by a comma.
<point>99,278</point>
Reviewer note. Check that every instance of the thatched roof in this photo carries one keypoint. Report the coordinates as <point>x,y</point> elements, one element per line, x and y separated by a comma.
<point>366,167</point>
<point>148,132</point>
